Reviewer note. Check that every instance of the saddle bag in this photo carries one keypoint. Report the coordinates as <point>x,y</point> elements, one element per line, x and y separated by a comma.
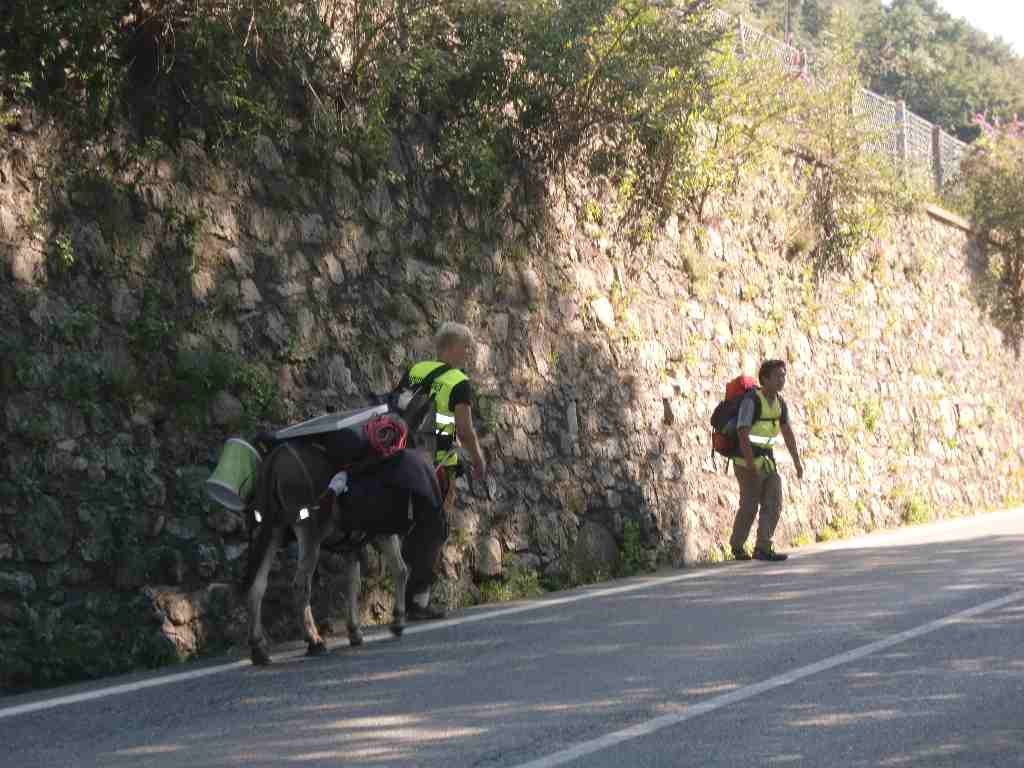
<point>373,503</point>
<point>390,496</point>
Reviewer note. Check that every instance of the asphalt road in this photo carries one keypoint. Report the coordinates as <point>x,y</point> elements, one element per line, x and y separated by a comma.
<point>901,649</point>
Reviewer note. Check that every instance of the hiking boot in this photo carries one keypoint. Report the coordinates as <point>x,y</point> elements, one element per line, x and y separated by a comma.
<point>770,555</point>
<point>424,613</point>
<point>740,554</point>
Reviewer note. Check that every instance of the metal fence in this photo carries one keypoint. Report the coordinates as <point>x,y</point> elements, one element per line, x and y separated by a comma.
<point>904,136</point>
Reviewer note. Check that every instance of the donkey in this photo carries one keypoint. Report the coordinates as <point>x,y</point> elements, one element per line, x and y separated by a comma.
<point>290,482</point>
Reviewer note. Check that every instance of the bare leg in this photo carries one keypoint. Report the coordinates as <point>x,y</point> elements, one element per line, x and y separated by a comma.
<point>352,587</point>
<point>258,646</point>
<point>390,548</point>
<point>302,586</point>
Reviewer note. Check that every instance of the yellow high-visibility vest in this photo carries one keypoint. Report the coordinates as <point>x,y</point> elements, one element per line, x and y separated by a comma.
<point>764,432</point>
<point>441,390</point>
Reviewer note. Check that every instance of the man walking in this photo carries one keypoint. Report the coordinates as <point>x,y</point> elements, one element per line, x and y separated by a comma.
<point>762,416</point>
<point>453,395</point>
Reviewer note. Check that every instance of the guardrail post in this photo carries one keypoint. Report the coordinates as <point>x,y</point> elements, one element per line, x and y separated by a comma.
<point>937,157</point>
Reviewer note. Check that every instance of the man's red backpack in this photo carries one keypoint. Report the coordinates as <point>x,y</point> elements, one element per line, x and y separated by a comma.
<point>723,418</point>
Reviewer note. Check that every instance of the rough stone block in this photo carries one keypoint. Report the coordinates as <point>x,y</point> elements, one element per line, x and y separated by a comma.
<point>489,557</point>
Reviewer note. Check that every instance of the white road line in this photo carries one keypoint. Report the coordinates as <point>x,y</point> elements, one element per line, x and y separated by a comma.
<point>434,626</point>
<point>415,629</point>
<point>897,536</point>
<point>718,702</point>
<point>100,693</point>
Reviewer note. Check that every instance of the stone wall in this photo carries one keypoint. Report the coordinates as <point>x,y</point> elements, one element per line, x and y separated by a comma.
<point>598,365</point>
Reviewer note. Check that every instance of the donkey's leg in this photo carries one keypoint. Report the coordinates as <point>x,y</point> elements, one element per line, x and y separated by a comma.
<point>267,543</point>
<point>390,548</point>
<point>352,587</point>
<point>302,586</point>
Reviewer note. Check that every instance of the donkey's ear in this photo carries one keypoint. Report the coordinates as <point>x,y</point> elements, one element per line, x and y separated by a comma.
<point>264,442</point>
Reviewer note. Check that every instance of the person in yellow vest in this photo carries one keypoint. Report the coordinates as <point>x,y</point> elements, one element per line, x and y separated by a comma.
<point>762,417</point>
<point>453,396</point>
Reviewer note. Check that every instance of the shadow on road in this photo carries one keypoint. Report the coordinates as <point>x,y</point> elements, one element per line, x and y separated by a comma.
<point>507,690</point>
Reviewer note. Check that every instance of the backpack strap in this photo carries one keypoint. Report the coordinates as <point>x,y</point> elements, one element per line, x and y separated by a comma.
<point>758,451</point>
<point>752,394</point>
<point>431,377</point>
<point>427,380</point>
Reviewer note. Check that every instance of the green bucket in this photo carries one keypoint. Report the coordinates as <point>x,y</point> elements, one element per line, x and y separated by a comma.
<point>231,483</point>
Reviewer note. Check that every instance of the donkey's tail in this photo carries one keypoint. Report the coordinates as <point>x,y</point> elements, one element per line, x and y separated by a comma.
<point>256,554</point>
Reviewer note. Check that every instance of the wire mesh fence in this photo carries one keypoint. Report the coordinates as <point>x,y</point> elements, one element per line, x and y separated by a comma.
<point>882,117</point>
<point>951,151</point>
<point>750,41</point>
<point>919,141</point>
<point>906,137</point>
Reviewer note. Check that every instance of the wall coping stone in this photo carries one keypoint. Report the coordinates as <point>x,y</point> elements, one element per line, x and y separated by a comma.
<point>948,217</point>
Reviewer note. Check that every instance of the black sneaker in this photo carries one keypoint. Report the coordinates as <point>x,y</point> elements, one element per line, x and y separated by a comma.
<point>770,555</point>
<point>740,554</point>
<point>424,613</point>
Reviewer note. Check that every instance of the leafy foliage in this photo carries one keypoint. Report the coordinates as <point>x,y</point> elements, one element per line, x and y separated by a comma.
<point>63,52</point>
<point>854,189</point>
<point>631,555</point>
<point>912,50</point>
<point>90,634</point>
<point>944,69</point>
<point>743,116</point>
<point>499,91</point>
<point>518,584</point>
<point>532,89</point>
<point>95,638</point>
<point>992,194</point>
<point>218,65</point>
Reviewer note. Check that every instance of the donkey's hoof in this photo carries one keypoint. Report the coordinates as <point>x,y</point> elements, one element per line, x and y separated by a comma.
<point>259,656</point>
<point>319,648</point>
<point>397,628</point>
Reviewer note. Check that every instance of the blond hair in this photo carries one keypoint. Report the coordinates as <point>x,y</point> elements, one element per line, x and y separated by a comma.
<point>450,333</point>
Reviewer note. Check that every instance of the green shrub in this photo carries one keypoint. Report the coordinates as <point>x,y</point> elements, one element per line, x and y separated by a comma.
<point>487,408</point>
<point>155,329</point>
<point>915,510</point>
<point>854,190</point>
<point>257,388</point>
<point>62,253</point>
<point>513,88</point>
<point>803,540</point>
<point>80,378</point>
<point>697,265</point>
<point>199,374</point>
<point>517,584</point>
<point>205,369</point>
<point>97,638</point>
<point>843,522</point>
<point>827,534</point>
<point>631,554</point>
<point>77,325</point>
<point>871,413</point>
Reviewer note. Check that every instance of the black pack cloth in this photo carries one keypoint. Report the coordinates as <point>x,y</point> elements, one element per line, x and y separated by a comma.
<point>377,501</point>
<point>346,447</point>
